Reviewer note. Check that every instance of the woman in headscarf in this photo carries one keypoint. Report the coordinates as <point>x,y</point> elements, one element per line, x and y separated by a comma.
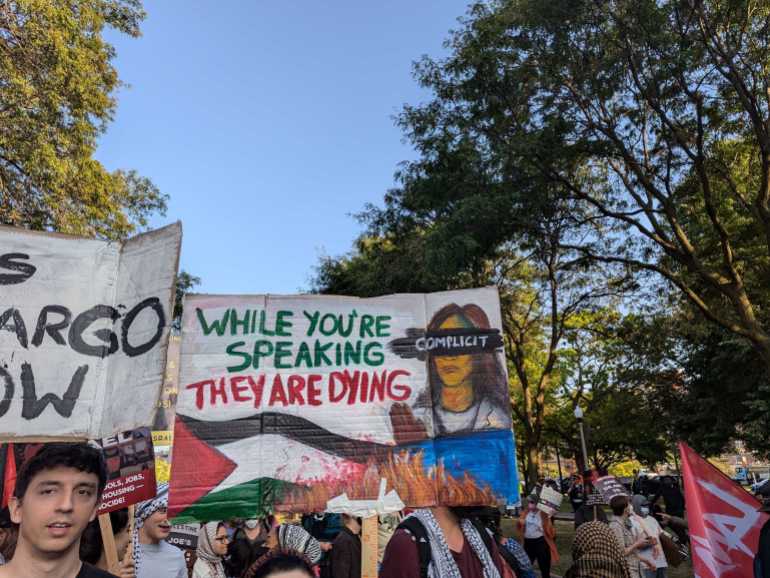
<point>596,553</point>
<point>290,538</point>
<point>212,547</point>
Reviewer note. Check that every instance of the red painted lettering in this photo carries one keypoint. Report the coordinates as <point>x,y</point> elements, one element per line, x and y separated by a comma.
<point>278,394</point>
<point>313,390</point>
<point>257,387</point>
<point>377,386</point>
<point>334,377</point>
<point>237,389</point>
<point>296,384</point>
<point>398,391</point>
<point>199,391</point>
<point>352,384</point>
<point>218,391</point>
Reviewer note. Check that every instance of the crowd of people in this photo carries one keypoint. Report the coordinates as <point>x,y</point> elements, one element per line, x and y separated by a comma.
<point>52,530</point>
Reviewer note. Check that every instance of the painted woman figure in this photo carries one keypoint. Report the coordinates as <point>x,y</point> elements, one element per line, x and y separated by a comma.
<point>470,391</point>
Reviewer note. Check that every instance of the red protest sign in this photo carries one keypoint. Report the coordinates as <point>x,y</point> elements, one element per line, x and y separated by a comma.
<point>130,469</point>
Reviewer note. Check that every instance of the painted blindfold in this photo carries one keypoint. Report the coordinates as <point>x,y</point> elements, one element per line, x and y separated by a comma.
<point>419,343</point>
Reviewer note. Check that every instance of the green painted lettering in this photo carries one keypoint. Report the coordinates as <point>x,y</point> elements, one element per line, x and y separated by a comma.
<point>283,325</point>
<point>232,351</point>
<point>282,349</point>
<point>218,325</point>
<point>383,327</point>
<point>262,348</point>
<point>366,326</point>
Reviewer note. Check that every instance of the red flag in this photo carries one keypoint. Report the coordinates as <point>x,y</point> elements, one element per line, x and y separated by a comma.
<point>9,476</point>
<point>724,520</point>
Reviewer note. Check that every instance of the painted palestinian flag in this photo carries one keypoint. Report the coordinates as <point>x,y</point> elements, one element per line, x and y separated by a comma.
<point>286,403</point>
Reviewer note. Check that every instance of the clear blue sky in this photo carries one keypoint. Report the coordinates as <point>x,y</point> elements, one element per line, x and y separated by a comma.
<point>269,123</point>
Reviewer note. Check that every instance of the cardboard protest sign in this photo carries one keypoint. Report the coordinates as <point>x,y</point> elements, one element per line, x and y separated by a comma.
<point>595,499</point>
<point>184,536</point>
<point>83,331</point>
<point>609,487</point>
<point>289,403</point>
<point>130,469</point>
<point>549,500</point>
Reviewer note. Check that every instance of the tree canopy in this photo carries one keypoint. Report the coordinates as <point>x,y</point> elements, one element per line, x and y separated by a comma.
<point>632,139</point>
<point>57,86</point>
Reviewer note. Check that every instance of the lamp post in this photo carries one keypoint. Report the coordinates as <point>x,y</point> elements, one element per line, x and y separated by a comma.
<point>586,468</point>
<point>579,418</point>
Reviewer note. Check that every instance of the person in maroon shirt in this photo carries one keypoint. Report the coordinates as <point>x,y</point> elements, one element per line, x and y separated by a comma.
<point>402,559</point>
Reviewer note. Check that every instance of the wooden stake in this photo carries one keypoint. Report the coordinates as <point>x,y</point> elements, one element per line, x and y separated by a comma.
<point>108,541</point>
<point>369,548</point>
<point>130,550</point>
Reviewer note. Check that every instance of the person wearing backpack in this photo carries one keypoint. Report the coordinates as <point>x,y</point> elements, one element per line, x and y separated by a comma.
<point>441,542</point>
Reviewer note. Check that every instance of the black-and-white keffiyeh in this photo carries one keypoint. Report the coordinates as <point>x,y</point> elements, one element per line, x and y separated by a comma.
<point>291,537</point>
<point>442,563</point>
<point>142,511</point>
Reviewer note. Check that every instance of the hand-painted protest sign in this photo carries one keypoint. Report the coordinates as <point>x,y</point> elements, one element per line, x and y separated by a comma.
<point>288,403</point>
<point>609,487</point>
<point>549,500</point>
<point>83,331</point>
<point>130,469</point>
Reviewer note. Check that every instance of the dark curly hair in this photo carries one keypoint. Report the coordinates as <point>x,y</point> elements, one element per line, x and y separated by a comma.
<point>279,560</point>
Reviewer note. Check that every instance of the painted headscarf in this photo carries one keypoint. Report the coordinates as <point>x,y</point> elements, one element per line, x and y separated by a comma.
<point>596,553</point>
<point>205,550</point>
<point>291,537</point>
<point>142,511</point>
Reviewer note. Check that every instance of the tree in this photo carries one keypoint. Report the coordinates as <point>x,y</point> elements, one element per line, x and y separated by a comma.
<point>185,283</point>
<point>544,293</point>
<point>648,117</point>
<point>57,87</point>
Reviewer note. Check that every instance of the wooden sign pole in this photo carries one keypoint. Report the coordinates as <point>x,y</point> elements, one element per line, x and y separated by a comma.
<point>369,548</point>
<point>131,521</point>
<point>108,541</point>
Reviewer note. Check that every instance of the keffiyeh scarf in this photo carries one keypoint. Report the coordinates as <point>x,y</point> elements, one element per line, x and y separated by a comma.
<point>442,563</point>
<point>296,538</point>
<point>596,553</point>
<point>142,511</point>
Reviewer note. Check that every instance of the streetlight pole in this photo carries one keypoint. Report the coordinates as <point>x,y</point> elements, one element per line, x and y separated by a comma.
<point>586,468</point>
<point>579,418</point>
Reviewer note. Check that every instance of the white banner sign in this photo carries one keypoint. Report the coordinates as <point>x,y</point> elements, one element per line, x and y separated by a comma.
<point>83,331</point>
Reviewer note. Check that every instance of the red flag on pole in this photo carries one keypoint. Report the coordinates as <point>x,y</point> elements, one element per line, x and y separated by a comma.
<point>9,476</point>
<point>723,517</point>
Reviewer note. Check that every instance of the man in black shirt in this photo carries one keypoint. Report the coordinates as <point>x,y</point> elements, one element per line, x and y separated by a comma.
<point>56,495</point>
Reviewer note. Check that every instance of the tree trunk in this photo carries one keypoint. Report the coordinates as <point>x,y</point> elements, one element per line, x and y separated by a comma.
<point>533,466</point>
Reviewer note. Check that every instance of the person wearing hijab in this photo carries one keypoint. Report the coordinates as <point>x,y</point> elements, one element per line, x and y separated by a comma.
<point>597,554</point>
<point>653,556</point>
<point>212,547</point>
<point>153,556</point>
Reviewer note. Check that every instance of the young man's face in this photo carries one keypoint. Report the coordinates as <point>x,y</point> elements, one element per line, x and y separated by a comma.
<point>56,508</point>
<point>157,527</point>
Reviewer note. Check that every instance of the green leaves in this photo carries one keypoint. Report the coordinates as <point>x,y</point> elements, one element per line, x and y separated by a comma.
<point>56,97</point>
